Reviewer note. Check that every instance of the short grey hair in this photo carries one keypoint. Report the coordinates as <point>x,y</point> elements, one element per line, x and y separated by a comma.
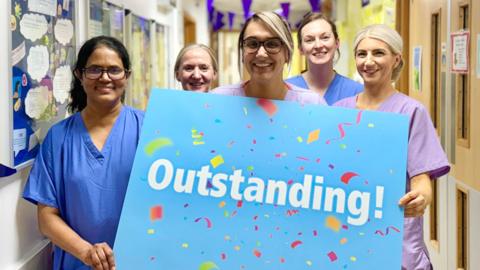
<point>386,34</point>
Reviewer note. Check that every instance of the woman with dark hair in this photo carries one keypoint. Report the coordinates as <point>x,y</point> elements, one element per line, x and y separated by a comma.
<point>79,178</point>
<point>318,40</point>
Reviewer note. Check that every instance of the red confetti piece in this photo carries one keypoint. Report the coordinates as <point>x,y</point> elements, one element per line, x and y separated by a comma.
<point>255,217</point>
<point>223,256</point>
<point>256,227</point>
<point>268,106</point>
<point>209,223</point>
<point>156,212</point>
<point>317,160</point>
<point>345,178</point>
<point>282,260</point>
<point>332,256</point>
<point>341,130</point>
<point>387,231</point>
<point>290,182</point>
<point>254,141</point>
<point>295,243</point>
<point>257,253</point>
<point>303,158</point>
<point>239,203</point>
<point>292,212</point>
<point>345,227</point>
<point>234,213</point>
<point>359,117</point>
<point>315,233</point>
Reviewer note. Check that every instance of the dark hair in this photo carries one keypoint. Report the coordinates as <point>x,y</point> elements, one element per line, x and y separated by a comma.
<point>313,16</point>
<point>78,97</point>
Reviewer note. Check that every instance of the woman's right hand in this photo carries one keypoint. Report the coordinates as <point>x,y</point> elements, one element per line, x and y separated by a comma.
<point>100,257</point>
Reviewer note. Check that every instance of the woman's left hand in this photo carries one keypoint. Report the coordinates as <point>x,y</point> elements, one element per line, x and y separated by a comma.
<point>418,198</point>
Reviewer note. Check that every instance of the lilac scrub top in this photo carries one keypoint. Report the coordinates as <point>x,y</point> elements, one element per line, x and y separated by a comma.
<point>425,155</point>
<point>341,87</point>
<point>294,93</point>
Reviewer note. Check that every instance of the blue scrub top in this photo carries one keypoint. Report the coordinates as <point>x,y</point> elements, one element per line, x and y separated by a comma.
<point>341,87</point>
<point>87,186</point>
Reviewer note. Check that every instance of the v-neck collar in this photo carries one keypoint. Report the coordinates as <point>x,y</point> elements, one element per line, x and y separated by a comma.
<point>382,105</point>
<point>87,140</point>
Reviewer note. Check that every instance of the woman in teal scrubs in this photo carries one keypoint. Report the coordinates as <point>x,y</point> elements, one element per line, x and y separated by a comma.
<point>80,176</point>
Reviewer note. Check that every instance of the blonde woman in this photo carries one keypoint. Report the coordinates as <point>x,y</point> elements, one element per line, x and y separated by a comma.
<point>196,68</point>
<point>378,56</point>
<point>265,47</point>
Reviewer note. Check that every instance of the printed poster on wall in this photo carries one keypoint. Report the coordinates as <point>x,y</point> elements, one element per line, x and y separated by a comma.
<point>222,182</point>
<point>417,68</point>
<point>478,56</point>
<point>460,51</point>
<point>43,52</point>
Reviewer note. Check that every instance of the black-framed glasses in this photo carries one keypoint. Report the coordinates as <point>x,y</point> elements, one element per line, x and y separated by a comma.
<point>114,73</point>
<point>271,45</point>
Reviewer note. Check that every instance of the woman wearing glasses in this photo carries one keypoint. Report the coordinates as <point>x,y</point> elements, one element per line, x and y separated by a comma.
<point>265,46</point>
<point>80,175</point>
<point>318,41</point>
<point>196,68</point>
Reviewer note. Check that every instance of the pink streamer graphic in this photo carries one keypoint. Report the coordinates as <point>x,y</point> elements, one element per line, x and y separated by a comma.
<point>341,130</point>
<point>387,231</point>
<point>209,223</point>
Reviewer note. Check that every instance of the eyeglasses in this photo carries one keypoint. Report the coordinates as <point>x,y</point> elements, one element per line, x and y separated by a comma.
<point>114,73</point>
<point>271,45</point>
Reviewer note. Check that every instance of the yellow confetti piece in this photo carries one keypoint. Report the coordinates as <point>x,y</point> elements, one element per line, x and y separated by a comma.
<point>198,143</point>
<point>150,231</point>
<point>353,258</point>
<point>371,125</point>
<point>237,248</point>
<point>313,136</point>
<point>343,241</point>
<point>185,245</point>
<point>157,144</point>
<point>222,204</point>
<point>217,161</point>
<point>309,263</point>
<point>333,223</point>
<point>227,238</point>
<point>299,139</point>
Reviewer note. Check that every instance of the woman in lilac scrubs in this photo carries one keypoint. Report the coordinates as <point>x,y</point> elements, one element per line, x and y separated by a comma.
<point>80,176</point>
<point>378,57</point>
<point>265,46</point>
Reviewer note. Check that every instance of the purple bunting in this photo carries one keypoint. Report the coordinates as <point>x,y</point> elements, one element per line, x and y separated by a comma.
<point>211,15</point>
<point>231,17</point>
<point>285,9</point>
<point>218,22</point>
<point>315,5</point>
<point>210,10</point>
<point>246,8</point>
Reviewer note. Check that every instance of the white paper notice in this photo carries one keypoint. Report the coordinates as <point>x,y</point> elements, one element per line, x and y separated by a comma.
<point>47,7</point>
<point>36,101</point>
<point>18,53</point>
<point>63,31</point>
<point>61,83</point>
<point>19,140</point>
<point>38,62</point>
<point>33,26</point>
<point>94,28</point>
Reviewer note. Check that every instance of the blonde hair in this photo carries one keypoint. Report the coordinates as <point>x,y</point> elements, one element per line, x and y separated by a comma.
<point>184,50</point>
<point>386,34</point>
<point>276,24</point>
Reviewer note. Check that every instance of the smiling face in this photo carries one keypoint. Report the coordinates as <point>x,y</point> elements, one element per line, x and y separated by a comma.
<point>318,42</point>
<point>375,61</point>
<point>103,91</point>
<point>196,71</point>
<point>262,65</point>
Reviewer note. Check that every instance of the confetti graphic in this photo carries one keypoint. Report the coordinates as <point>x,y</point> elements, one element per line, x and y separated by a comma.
<point>242,183</point>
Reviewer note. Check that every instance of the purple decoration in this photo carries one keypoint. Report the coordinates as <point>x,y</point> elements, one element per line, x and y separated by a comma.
<point>365,3</point>
<point>211,14</point>
<point>218,22</point>
<point>231,17</point>
<point>285,9</point>
<point>246,8</point>
<point>209,5</point>
<point>315,5</point>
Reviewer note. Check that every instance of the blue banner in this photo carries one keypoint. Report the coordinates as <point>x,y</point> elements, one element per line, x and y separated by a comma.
<point>222,182</point>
